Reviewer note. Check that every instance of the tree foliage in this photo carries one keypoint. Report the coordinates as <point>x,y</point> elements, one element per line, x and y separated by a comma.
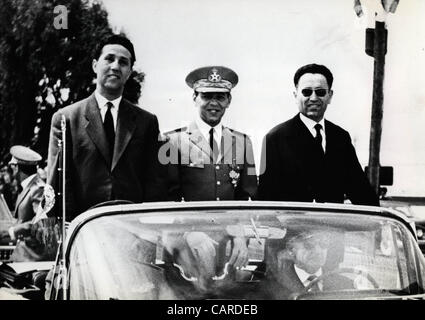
<point>43,68</point>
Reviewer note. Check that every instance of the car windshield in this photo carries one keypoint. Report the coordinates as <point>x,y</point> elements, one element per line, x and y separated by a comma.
<point>185,255</point>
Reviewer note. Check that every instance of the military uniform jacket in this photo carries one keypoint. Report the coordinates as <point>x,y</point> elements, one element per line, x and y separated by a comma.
<point>29,199</point>
<point>193,176</point>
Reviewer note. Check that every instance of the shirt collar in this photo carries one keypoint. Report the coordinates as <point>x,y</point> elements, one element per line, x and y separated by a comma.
<point>311,123</point>
<point>303,275</point>
<point>27,180</point>
<point>101,100</point>
<point>205,129</point>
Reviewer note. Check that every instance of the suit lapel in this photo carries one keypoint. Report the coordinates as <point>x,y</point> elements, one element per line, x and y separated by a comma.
<point>23,194</point>
<point>95,129</point>
<point>289,278</point>
<point>125,128</point>
<point>198,140</point>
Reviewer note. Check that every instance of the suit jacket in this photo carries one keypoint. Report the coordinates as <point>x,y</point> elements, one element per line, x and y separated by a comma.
<point>286,282</point>
<point>294,169</point>
<point>194,177</point>
<point>92,174</point>
<point>29,199</point>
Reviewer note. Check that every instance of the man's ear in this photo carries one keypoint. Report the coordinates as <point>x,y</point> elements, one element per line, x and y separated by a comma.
<point>295,93</point>
<point>331,94</point>
<point>94,65</point>
<point>194,95</point>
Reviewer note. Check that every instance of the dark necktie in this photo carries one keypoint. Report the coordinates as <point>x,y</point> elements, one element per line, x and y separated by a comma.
<point>108,125</point>
<point>318,137</point>
<point>213,146</point>
<point>314,287</point>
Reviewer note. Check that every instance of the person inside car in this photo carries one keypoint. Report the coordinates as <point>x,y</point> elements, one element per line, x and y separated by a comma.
<point>302,265</point>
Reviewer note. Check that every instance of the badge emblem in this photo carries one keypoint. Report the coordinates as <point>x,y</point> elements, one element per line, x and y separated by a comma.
<point>214,76</point>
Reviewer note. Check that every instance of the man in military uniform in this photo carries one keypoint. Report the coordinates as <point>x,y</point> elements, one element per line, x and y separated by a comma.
<point>209,161</point>
<point>24,164</point>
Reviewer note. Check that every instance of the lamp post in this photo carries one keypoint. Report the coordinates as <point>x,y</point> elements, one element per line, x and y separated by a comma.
<point>376,47</point>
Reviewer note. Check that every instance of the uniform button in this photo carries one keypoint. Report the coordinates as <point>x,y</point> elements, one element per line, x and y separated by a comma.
<point>217,167</point>
<point>218,182</point>
<point>218,198</point>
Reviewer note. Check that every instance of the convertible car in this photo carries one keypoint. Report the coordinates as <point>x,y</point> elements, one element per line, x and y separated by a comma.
<point>186,251</point>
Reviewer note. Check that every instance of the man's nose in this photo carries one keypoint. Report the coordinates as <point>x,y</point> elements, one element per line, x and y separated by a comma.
<point>314,96</point>
<point>115,64</point>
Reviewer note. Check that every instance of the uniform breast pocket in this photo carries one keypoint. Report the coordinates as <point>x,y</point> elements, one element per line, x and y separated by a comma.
<point>194,165</point>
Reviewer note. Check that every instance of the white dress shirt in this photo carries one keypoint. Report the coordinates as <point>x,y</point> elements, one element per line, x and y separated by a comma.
<point>205,130</point>
<point>303,276</point>
<point>27,180</point>
<point>102,101</point>
<point>310,126</point>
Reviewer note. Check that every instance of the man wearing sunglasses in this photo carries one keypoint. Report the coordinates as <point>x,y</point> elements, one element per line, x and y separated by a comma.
<point>308,158</point>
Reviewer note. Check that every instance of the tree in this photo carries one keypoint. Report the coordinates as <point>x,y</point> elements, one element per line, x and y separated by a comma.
<point>43,68</point>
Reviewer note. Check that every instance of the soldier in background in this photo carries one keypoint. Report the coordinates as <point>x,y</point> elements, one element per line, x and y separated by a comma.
<point>26,234</point>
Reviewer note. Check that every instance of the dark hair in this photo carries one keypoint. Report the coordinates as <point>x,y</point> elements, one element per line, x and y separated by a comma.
<point>314,68</point>
<point>116,39</point>
<point>27,169</point>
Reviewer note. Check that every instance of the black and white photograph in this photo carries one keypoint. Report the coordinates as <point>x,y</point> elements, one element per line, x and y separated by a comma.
<point>235,150</point>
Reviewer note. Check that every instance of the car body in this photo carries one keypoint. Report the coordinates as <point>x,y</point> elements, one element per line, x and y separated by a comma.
<point>140,251</point>
<point>414,209</point>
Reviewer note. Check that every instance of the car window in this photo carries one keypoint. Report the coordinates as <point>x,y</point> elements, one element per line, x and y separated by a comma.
<point>149,256</point>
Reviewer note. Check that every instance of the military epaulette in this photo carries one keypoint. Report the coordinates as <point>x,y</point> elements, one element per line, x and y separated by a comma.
<point>237,132</point>
<point>175,131</point>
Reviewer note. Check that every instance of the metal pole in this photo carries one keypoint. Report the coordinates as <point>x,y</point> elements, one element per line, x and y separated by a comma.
<point>63,262</point>
<point>379,50</point>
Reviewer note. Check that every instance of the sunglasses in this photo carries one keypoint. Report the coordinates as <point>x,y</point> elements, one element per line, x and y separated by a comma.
<point>319,92</point>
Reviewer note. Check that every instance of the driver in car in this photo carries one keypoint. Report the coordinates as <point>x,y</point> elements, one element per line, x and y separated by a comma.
<point>301,265</point>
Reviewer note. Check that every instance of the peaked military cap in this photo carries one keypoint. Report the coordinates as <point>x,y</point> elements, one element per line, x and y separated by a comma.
<point>24,155</point>
<point>212,79</point>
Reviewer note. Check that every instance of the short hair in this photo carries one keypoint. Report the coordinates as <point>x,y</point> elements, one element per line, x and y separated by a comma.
<point>116,39</point>
<point>314,68</point>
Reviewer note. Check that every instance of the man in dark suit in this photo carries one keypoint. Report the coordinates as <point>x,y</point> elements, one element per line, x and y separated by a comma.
<point>111,144</point>
<point>302,266</point>
<point>308,158</point>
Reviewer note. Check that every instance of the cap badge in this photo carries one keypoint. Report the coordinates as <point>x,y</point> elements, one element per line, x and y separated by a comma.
<point>214,76</point>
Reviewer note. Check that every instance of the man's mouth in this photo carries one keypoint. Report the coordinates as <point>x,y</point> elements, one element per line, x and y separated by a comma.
<point>113,76</point>
<point>213,111</point>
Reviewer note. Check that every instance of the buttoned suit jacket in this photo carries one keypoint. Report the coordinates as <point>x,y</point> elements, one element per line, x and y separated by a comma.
<point>92,175</point>
<point>293,168</point>
<point>192,175</point>
<point>29,199</point>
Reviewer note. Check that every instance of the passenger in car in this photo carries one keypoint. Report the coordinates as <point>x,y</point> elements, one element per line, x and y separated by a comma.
<point>112,150</point>
<point>309,158</point>
<point>301,265</point>
<point>207,160</point>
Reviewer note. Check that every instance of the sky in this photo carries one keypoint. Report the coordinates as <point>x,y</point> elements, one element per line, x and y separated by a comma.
<point>265,42</point>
